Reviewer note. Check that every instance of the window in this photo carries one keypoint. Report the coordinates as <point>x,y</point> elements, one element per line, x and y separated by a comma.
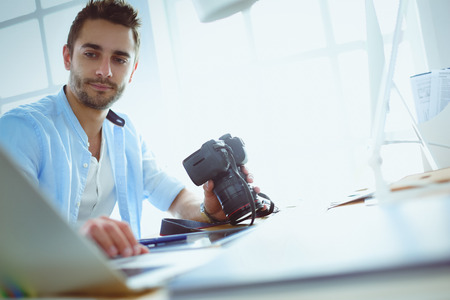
<point>31,64</point>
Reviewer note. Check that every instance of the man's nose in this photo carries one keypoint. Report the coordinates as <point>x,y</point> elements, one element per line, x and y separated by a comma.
<point>104,69</point>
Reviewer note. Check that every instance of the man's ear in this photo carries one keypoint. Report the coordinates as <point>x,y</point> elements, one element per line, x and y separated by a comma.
<point>66,57</point>
<point>134,69</point>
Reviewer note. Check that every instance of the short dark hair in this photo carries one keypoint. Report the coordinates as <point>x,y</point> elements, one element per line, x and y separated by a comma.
<point>114,11</point>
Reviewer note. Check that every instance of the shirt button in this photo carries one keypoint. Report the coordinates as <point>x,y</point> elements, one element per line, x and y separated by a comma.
<point>78,204</point>
<point>85,165</point>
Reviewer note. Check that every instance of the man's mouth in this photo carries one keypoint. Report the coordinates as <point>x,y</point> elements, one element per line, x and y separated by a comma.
<point>100,86</point>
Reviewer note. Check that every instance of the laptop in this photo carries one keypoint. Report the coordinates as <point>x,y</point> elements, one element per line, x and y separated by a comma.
<point>41,254</point>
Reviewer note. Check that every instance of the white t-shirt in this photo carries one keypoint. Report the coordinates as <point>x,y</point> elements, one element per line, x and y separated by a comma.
<point>98,198</point>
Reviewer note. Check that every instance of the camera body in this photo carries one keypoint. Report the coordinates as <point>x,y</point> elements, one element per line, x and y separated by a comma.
<point>220,160</point>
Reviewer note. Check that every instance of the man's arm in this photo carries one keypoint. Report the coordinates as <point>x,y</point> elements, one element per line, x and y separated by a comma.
<point>187,205</point>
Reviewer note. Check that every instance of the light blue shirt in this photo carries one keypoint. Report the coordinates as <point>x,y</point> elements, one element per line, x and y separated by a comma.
<point>51,147</point>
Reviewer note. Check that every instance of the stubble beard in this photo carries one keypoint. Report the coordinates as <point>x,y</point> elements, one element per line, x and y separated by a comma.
<point>99,101</point>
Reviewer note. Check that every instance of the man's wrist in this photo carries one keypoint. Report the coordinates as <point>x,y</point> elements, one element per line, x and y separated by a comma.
<point>206,215</point>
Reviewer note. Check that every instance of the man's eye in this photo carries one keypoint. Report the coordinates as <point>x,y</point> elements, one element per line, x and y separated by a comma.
<point>90,54</point>
<point>120,60</point>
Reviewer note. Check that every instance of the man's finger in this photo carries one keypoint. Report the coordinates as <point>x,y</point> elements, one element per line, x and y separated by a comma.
<point>126,233</point>
<point>208,186</point>
<point>121,236</point>
<point>114,237</point>
<point>94,230</point>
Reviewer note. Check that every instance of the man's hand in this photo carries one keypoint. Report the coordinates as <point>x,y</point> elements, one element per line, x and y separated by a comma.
<point>212,204</point>
<point>114,237</point>
<point>187,204</point>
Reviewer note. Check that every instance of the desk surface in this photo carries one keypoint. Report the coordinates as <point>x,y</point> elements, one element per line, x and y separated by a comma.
<point>390,250</point>
<point>396,250</point>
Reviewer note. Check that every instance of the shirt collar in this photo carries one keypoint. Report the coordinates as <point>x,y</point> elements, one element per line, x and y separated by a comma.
<point>115,119</point>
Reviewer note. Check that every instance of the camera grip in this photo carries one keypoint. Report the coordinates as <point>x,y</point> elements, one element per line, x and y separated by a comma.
<point>207,162</point>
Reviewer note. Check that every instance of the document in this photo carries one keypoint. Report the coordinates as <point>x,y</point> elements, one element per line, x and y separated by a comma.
<point>421,88</point>
<point>440,91</point>
<point>431,93</point>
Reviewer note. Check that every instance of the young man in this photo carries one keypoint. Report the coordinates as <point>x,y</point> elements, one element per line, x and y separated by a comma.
<point>86,157</point>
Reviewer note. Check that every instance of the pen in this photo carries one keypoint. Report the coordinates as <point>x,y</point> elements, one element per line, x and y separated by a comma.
<point>163,239</point>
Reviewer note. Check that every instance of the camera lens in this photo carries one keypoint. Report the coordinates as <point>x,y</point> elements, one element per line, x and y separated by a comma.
<point>233,194</point>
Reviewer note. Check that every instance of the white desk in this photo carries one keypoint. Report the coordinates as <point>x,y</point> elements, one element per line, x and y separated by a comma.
<point>394,251</point>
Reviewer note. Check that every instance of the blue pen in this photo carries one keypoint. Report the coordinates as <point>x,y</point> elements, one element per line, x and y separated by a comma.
<point>163,240</point>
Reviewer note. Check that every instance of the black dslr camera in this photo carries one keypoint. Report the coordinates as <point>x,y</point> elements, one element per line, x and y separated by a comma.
<point>220,160</point>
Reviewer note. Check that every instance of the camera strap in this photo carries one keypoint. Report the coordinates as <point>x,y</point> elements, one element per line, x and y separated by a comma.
<point>171,226</point>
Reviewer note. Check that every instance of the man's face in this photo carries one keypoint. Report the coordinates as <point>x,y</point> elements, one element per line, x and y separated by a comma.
<point>102,63</point>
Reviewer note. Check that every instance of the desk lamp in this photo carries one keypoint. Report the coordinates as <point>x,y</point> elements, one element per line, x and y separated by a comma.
<point>212,10</point>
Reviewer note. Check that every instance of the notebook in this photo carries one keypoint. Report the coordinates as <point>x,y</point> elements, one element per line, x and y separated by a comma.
<point>41,254</point>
